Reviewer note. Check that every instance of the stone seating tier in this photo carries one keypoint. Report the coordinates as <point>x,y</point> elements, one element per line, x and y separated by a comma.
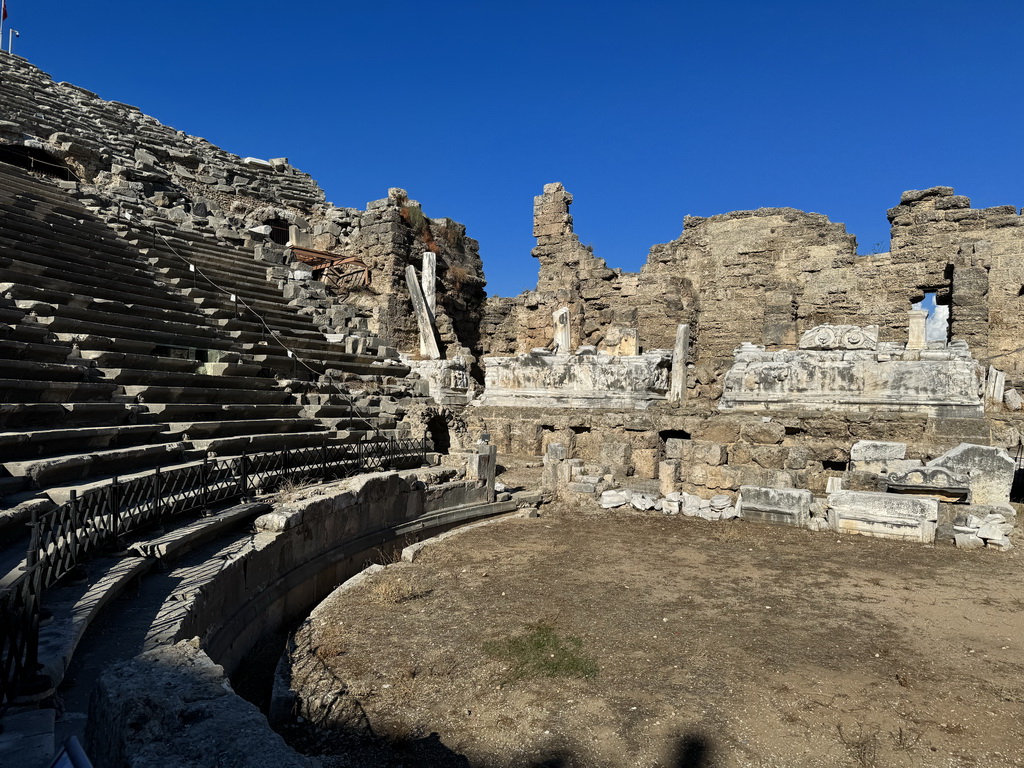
<point>114,370</point>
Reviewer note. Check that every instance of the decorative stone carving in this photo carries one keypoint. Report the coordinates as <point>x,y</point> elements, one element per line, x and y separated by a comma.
<point>931,481</point>
<point>947,382</point>
<point>840,337</point>
<point>595,381</point>
<point>988,472</point>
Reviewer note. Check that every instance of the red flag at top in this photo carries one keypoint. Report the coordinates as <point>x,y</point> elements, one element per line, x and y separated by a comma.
<point>3,17</point>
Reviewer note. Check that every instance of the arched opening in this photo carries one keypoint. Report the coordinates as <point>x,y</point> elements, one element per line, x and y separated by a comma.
<point>440,437</point>
<point>278,231</point>
<point>37,160</point>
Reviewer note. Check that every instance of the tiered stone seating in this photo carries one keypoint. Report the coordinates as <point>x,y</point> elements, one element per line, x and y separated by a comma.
<point>113,363</point>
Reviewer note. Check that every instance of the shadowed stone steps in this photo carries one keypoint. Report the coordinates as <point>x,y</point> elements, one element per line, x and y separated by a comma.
<point>21,390</point>
<point>45,472</point>
<point>15,446</point>
<point>43,415</point>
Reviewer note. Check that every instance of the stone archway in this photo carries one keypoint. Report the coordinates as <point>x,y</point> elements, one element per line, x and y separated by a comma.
<point>445,428</point>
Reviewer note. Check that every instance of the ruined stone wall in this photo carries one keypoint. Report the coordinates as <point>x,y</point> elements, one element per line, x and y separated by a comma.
<point>128,163</point>
<point>769,275</point>
<point>979,255</point>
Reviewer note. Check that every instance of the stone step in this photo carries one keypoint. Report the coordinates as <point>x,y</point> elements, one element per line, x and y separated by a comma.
<point>109,359</point>
<point>70,328</point>
<point>28,331</point>
<point>68,237</point>
<point>46,472</point>
<point>80,305</point>
<point>34,370</point>
<point>203,430</point>
<point>230,411</point>
<point>23,391</point>
<point>272,442</point>
<point>165,394</point>
<point>42,258</point>
<point>24,416</point>
<point>134,377</point>
<point>55,288</point>
<point>36,272</point>
<point>17,446</point>
<point>160,258</point>
<point>41,353</point>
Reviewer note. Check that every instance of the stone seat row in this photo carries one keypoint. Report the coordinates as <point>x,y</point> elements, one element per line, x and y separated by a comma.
<point>107,351</point>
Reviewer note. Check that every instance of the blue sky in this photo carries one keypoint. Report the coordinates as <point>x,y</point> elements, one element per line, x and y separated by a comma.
<point>646,111</point>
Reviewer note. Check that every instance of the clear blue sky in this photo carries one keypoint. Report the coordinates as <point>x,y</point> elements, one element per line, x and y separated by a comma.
<point>646,111</point>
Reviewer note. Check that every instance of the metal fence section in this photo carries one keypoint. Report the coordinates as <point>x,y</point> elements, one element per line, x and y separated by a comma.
<point>67,536</point>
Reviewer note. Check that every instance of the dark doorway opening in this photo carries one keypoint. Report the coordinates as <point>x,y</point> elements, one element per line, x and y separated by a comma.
<point>278,231</point>
<point>440,437</point>
<point>35,159</point>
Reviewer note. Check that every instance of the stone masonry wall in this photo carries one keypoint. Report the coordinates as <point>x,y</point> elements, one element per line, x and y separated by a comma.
<point>766,276</point>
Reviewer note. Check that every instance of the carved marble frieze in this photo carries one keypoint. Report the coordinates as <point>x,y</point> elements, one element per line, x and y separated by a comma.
<point>840,337</point>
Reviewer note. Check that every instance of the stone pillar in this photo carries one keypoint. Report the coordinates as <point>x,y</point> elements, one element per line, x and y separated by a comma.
<point>668,476</point>
<point>428,279</point>
<point>677,388</point>
<point>563,342</point>
<point>424,317</point>
<point>918,335</point>
<point>995,386</point>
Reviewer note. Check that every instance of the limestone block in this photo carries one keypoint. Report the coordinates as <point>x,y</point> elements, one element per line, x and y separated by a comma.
<point>581,488</point>
<point>989,472</point>
<point>884,515</point>
<point>613,499</point>
<point>769,456</point>
<point>674,448</point>
<point>642,501</point>
<point>703,452</point>
<point>645,462</point>
<point>668,476</point>
<point>764,432</point>
<point>995,385</point>
<point>877,451</point>
<point>774,505</point>
<point>1012,400</point>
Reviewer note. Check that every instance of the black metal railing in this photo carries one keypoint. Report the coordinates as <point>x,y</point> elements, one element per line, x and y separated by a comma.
<point>67,536</point>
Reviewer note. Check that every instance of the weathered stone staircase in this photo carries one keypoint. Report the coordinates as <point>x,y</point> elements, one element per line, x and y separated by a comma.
<point>118,357</point>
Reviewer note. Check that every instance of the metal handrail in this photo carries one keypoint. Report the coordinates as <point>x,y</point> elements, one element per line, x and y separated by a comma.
<point>68,535</point>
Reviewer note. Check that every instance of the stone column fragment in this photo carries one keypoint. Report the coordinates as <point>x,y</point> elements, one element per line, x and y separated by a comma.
<point>563,342</point>
<point>917,338</point>
<point>424,317</point>
<point>429,280</point>
<point>677,387</point>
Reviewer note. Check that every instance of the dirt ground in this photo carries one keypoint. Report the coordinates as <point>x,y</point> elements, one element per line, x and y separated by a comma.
<point>721,644</point>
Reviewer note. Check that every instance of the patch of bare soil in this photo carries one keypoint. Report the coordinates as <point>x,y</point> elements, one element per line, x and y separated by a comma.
<point>716,644</point>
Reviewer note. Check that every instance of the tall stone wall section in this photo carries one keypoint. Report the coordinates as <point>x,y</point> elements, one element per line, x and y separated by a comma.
<point>979,255</point>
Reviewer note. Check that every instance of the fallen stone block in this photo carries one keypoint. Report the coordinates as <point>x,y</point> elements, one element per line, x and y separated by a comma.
<point>884,515</point>
<point>988,471</point>
<point>968,541</point>
<point>779,506</point>
<point>581,488</point>
<point>613,499</point>
<point>642,501</point>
